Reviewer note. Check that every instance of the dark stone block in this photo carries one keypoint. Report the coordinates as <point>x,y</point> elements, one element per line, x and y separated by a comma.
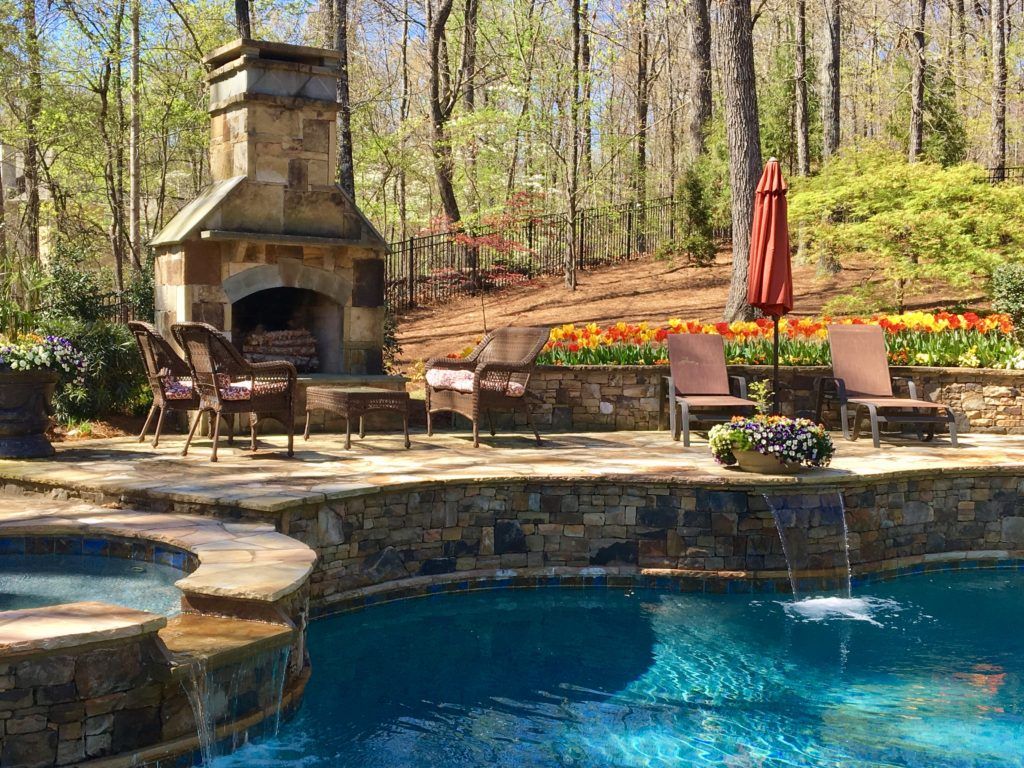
<point>134,728</point>
<point>697,518</point>
<point>368,282</point>
<point>624,552</point>
<point>385,565</point>
<point>722,501</point>
<point>298,173</point>
<point>509,537</point>
<point>53,670</point>
<point>561,418</point>
<point>315,135</point>
<point>29,750</point>
<point>458,548</point>
<point>209,312</point>
<point>437,565</point>
<point>657,516</point>
<point>107,670</point>
<point>56,694</point>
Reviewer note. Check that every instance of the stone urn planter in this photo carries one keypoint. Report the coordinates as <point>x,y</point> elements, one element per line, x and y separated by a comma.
<point>763,464</point>
<point>25,408</point>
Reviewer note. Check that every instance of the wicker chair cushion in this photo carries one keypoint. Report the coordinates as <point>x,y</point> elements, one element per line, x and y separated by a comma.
<point>462,381</point>
<point>178,389</point>
<point>243,390</point>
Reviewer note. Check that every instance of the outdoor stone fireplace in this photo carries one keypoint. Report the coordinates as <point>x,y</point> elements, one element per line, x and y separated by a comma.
<point>273,252</point>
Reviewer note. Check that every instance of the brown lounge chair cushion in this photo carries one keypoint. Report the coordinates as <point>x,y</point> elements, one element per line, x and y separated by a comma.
<point>717,401</point>
<point>895,402</point>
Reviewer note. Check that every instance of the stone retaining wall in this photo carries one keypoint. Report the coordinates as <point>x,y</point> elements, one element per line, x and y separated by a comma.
<point>444,530</point>
<point>590,398</point>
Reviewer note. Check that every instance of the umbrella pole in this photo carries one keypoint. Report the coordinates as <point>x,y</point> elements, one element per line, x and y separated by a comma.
<point>775,369</point>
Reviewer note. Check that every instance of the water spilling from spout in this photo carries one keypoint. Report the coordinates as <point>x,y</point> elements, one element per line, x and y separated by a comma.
<point>280,677</point>
<point>786,516</point>
<point>196,685</point>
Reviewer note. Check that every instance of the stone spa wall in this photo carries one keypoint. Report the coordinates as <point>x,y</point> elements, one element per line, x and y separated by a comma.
<point>86,683</point>
<point>705,535</point>
<point>592,398</point>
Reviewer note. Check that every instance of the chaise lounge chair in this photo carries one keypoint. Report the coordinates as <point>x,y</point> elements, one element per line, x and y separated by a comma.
<point>861,378</point>
<point>169,377</point>
<point>227,383</point>
<point>493,377</point>
<point>700,381</point>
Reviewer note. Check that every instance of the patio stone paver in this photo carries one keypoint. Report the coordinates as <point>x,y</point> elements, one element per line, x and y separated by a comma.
<point>270,483</point>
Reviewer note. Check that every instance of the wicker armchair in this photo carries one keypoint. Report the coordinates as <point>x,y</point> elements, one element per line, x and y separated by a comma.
<point>494,377</point>
<point>169,377</point>
<point>228,384</point>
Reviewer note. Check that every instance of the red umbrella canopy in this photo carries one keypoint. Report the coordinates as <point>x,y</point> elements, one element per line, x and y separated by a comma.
<point>769,276</point>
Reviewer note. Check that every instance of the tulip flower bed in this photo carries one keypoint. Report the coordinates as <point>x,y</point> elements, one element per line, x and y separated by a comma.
<point>914,338</point>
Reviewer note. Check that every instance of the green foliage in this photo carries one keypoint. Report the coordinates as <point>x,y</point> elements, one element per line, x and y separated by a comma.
<point>76,308</point>
<point>392,347</point>
<point>761,393</point>
<point>696,240</point>
<point>712,168</point>
<point>73,290</point>
<point>945,134</point>
<point>1008,291</point>
<point>114,381</point>
<point>916,221</point>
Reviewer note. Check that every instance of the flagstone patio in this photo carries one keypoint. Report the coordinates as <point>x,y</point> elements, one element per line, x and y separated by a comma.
<point>268,481</point>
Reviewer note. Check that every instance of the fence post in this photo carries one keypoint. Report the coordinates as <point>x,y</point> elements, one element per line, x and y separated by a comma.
<point>411,272</point>
<point>580,238</point>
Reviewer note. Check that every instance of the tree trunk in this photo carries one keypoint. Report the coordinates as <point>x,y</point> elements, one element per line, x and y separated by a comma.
<point>587,162</point>
<point>830,102</point>
<point>403,115</point>
<point>699,28</point>
<point>643,103</point>
<point>33,110</point>
<point>469,65</point>
<point>3,216</point>
<point>803,150</point>
<point>444,164</point>
<point>743,133</point>
<point>346,168</point>
<point>134,163</point>
<point>243,22</point>
<point>917,84</point>
<point>998,161</point>
<point>574,150</point>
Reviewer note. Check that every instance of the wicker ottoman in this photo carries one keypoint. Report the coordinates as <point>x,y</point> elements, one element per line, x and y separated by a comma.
<point>355,402</point>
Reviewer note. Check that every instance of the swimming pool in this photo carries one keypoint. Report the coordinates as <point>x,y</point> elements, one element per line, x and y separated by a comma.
<point>921,671</point>
<point>34,581</point>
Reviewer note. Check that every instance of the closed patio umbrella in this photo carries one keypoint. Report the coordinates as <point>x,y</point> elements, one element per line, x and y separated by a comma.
<point>770,276</point>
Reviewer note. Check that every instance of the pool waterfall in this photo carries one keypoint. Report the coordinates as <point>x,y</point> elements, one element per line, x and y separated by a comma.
<point>800,520</point>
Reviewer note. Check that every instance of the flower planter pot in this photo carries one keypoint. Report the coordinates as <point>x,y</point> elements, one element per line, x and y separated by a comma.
<point>25,407</point>
<point>752,461</point>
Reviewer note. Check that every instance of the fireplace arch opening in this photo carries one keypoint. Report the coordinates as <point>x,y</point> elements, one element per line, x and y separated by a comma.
<point>294,324</point>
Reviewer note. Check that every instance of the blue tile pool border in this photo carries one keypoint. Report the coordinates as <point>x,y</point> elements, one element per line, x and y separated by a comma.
<point>689,583</point>
<point>100,546</point>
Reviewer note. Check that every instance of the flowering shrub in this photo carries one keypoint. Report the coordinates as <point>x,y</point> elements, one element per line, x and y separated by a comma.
<point>912,338</point>
<point>791,441</point>
<point>32,352</point>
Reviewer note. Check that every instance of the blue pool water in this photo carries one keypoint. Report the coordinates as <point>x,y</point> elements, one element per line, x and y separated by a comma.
<point>34,581</point>
<point>923,671</point>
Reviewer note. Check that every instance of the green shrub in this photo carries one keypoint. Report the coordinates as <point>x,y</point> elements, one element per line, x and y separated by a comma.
<point>694,221</point>
<point>1008,291</point>
<point>114,379</point>
<point>914,221</point>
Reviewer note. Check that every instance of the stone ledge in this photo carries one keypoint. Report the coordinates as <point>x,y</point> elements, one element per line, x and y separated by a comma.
<point>243,561</point>
<point>33,631</point>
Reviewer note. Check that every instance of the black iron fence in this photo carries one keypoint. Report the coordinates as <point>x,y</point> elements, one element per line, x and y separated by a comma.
<point>436,268</point>
<point>1011,173</point>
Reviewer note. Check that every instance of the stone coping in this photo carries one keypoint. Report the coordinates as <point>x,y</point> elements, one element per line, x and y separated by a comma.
<point>219,640</point>
<point>243,561</point>
<point>322,471</point>
<point>53,628</point>
<point>896,370</point>
<point>665,579</point>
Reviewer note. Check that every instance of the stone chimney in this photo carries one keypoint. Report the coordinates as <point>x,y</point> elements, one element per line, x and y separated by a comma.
<point>273,244</point>
<point>273,113</point>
